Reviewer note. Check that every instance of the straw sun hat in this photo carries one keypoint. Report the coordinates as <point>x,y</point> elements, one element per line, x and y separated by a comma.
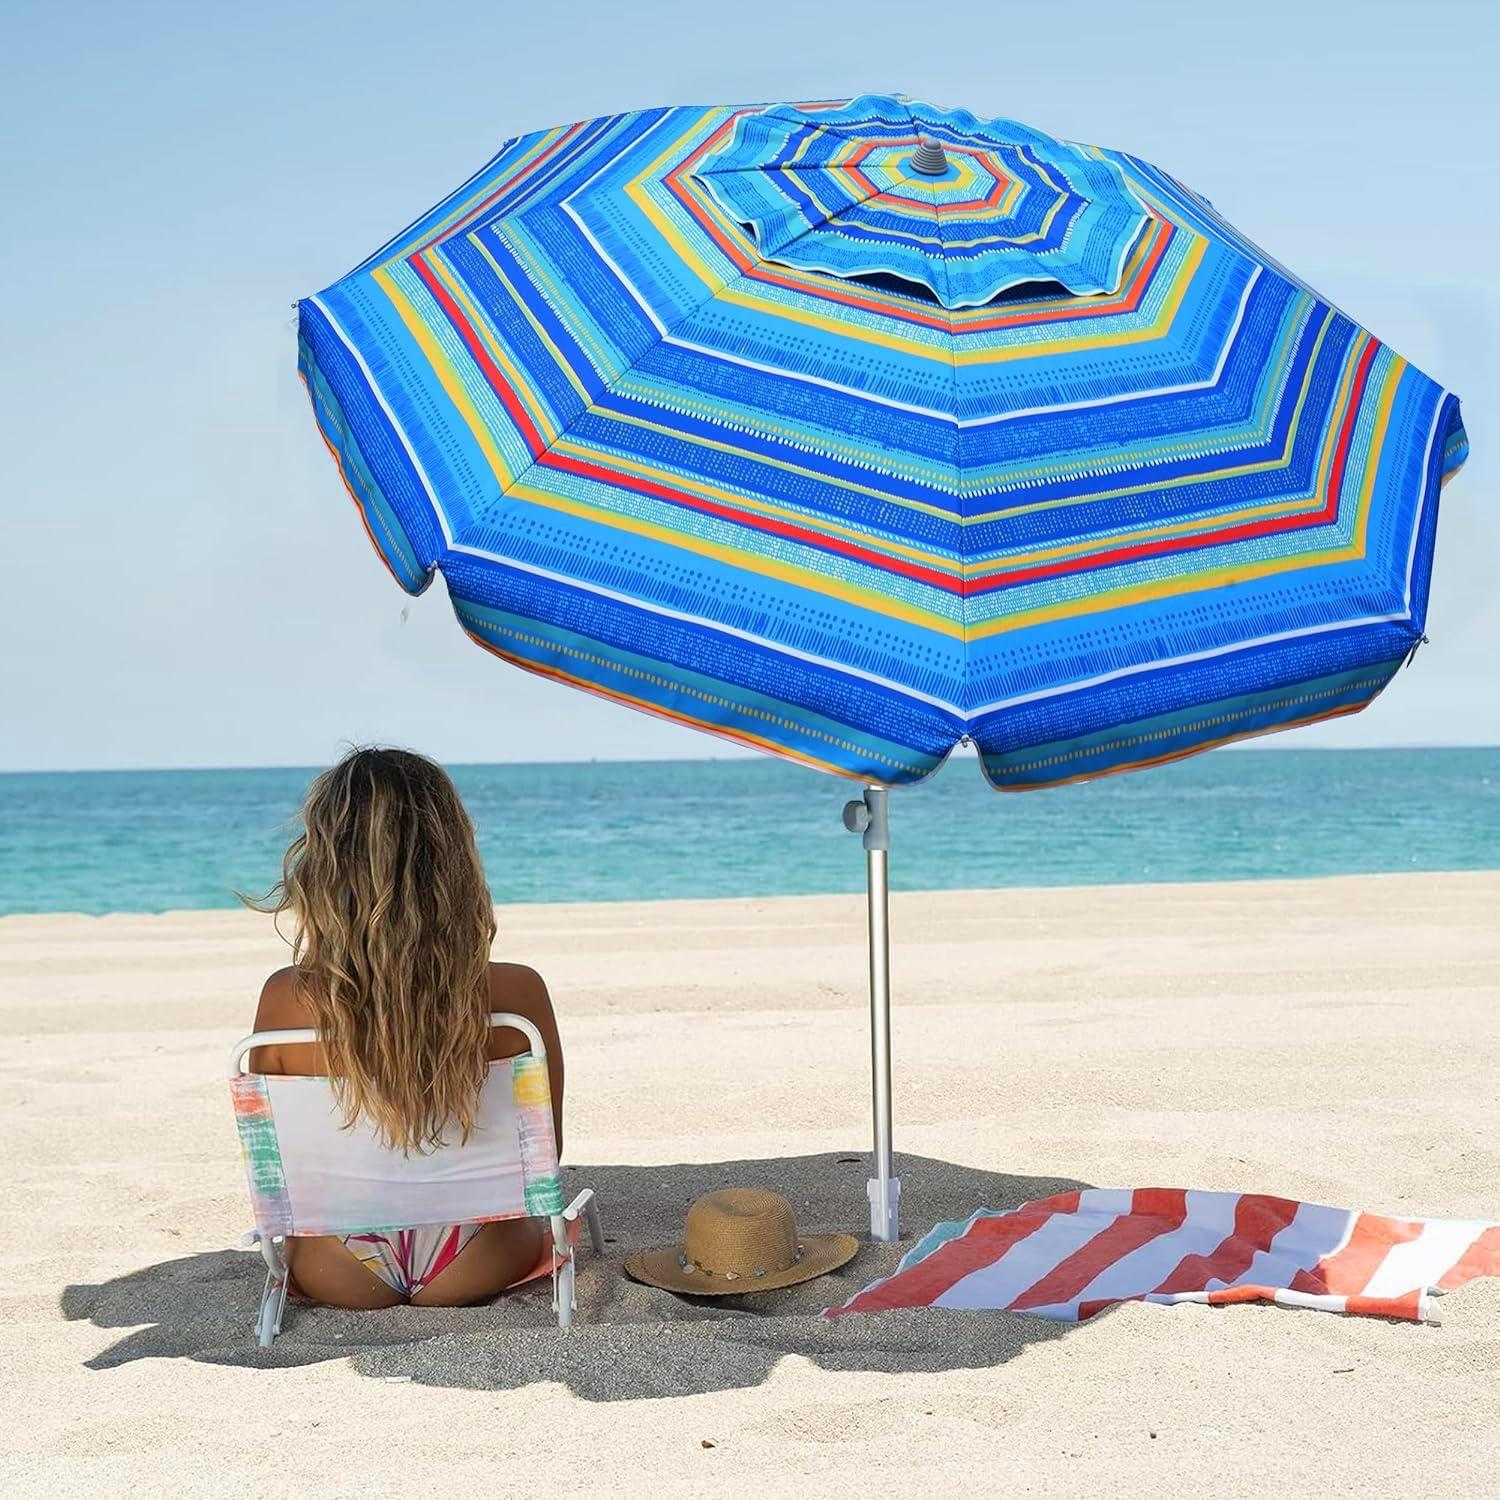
<point>740,1240</point>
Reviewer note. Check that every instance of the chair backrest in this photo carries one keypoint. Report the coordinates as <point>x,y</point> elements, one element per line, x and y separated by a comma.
<point>309,1173</point>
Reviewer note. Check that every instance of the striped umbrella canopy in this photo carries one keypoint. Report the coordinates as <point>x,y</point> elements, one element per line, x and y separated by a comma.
<point>854,431</point>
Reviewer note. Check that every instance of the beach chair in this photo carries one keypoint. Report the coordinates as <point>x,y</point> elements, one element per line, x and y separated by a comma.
<point>309,1174</point>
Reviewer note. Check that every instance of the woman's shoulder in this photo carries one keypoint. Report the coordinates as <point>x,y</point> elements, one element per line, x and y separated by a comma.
<point>515,981</point>
<point>523,992</point>
<point>517,988</point>
<point>282,1003</point>
<point>283,1007</point>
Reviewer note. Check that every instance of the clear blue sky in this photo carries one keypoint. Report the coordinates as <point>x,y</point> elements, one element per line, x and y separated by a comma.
<point>184,581</point>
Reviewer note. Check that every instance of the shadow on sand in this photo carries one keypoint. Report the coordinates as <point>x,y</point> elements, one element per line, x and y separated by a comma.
<point>630,1341</point>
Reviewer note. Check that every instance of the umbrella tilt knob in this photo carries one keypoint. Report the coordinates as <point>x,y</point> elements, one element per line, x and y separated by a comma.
<point>868,816</point>
<point>856,816</point>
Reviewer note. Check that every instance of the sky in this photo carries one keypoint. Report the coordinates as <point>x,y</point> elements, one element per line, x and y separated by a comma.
<point>184,580</point>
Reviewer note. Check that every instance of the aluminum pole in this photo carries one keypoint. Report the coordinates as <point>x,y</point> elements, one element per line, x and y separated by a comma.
<point>870,818</point>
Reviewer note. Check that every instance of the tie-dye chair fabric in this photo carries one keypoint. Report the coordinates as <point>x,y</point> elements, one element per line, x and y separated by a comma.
<point>311,1174</point>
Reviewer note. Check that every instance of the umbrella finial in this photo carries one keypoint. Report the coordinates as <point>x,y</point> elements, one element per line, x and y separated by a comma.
<point>928,158</point>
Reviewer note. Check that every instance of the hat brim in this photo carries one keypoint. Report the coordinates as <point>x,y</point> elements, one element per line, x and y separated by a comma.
<point>820,1253</point>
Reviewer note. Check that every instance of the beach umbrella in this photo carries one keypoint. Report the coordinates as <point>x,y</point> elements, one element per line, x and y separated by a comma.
<point>857,431</point>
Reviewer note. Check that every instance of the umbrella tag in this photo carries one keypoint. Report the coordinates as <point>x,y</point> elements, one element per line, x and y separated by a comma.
<point>1416,646</point>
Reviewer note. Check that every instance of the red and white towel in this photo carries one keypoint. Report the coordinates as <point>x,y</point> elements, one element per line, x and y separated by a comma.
<point>1073,1255</point>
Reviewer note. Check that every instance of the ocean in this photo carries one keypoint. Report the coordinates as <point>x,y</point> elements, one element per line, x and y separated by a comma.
<point>150,841</point>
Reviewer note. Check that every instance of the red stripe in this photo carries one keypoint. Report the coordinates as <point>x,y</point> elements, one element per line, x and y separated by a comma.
<point>1167,545</point>
<point>1257,1221</point>
<point>556,674</point>
<point>1197,749</point>
<point>1153,1213</point>
<point>447,1253</point>
<point>1347,1272</point>
<point>801,534</point>
<point>984,1244</point>
<point>1309,1281</point>
<point>1231,1296</point>
<point>498,382</point>
<point>1087,1310</point>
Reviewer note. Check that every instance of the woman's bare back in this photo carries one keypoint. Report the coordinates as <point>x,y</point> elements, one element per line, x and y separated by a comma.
<point>498,1254</point>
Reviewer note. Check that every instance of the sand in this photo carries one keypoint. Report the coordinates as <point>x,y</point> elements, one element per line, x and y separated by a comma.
<point>1334,1040</point>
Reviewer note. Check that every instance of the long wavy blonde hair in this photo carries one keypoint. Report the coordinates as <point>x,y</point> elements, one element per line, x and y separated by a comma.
<point>394,926</point>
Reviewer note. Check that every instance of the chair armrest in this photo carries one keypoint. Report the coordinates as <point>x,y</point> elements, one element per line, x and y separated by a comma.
<point>578,1205</point>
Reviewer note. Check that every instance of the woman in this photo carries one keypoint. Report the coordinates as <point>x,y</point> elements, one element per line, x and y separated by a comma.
<point>392,967</point>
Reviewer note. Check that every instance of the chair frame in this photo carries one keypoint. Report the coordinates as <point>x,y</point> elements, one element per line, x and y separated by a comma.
<point>272,1247</point>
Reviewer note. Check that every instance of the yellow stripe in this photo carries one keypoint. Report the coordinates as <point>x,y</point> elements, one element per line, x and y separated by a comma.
<point>1189,444</point>
<point>445,374</point>
<point>735,557</point>
<point>635,190</point>
<point>936,560</point>
<point>674,685</point>
<point>1309,501</point>
<point>1234,574</point>
<point>519,382</point>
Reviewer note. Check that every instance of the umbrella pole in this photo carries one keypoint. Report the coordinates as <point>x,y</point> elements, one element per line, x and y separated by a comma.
<point>869,817</point>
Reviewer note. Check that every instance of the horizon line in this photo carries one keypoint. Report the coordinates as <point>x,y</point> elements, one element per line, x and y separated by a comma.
<point>1261,748</point>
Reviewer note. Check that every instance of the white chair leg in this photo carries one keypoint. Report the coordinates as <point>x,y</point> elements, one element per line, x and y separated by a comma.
<point>283,1287</point>
<point>564,1272</point>
<point>273,1294</point>
<point>265,1319</point>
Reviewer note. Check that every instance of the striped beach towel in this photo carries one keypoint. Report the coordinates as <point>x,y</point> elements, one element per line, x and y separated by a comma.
<point>1071,1256</point>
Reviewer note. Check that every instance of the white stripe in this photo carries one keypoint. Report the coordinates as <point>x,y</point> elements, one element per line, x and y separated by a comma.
<point>1115,400</point>
<point>1315,1233</point>
<point>998,1284</point>
<point>778,372</point>
<point>400,432</point>
<point>599,250</point>
<point>961,423</point>
<point>1415,1265</point>
<point>1209,1221</point>
<point>1317,1300</point>
<point>1177,661</point>
<point>1396,617</point>
<point>715,625</point>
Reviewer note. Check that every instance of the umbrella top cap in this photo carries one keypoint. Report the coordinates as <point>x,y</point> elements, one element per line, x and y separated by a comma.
<point>929,158</point>
<point>974,208</point>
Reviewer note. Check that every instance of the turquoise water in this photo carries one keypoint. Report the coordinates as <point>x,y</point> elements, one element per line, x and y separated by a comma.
<point>150,841</point>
